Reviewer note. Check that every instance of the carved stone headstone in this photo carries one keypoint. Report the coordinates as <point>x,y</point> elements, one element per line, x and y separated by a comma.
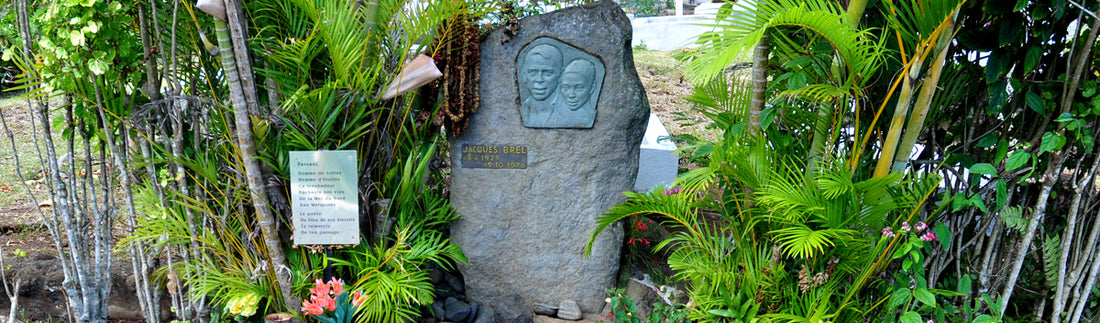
<point>553,146</point>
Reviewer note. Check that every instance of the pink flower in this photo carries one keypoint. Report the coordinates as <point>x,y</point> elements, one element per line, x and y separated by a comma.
<point>904,227</point>
<point>337,286</point>
<point>931,321</point>
<point>324,301</point>
<point>920,226</point>
<point>358,298</point>
<point>672,191</point>
<point>322,288</point>
<point>312,308</point>
<point>887,232</point>
<point>928,236</point>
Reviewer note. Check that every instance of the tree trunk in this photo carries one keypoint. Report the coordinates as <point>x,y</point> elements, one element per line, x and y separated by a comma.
<point>759,82</point>
<point>1050,176</point>
<point>253,174</point>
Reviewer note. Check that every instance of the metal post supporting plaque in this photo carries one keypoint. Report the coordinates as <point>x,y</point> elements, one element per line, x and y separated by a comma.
<point>324,197</point>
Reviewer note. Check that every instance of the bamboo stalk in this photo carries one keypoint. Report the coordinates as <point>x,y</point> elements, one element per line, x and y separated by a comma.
<point>924,99</point>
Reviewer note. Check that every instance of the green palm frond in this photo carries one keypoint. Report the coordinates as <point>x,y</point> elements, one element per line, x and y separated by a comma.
<point>800,241</point>
<point>857,52</point>
<point>915,21</point>
<point>673,209</point>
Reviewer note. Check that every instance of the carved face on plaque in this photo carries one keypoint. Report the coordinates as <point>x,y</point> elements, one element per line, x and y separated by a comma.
<point>559,85</point>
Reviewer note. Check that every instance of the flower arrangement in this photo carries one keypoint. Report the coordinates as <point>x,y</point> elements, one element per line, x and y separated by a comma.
<point>329,303</point>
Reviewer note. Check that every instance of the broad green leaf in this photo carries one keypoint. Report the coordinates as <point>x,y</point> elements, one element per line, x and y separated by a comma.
<point>1088,90</point>
<point>902,251</point>
<point>925,296</point>
<point>1002,193</point>
<point>796,81</point>
<point>77,38</point>
<point>900,297</point>
<point>977,202</point>
<point>998,95</point>
<point>92,27</point>
<point>996,66</point>
<point>1020,4</point>
<point>767,116</point>
<point>1051,142</point>
<point>1018,158</point>
<point>984,169</point>
<point>964,284</point>
<point>946,293</point>
<point>959,202</point>
<point>1032,58</point>
<point>984,318</point>
<point>1002,150</point>
<point>910,317</point>
<point>1035,102</point>
<point>721,312</point>
<point>987,141</point>
<point>943,234</point>
<point>97,67</point>
<point>1064,117</point>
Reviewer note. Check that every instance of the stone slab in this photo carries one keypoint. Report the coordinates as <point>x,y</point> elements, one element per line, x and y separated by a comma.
<point>524,230</point>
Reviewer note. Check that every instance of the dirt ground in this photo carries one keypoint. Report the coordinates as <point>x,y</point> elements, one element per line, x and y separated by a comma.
<point>30,255</point>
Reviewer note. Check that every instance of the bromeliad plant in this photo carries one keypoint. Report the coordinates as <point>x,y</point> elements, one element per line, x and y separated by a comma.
<point>330,303</point>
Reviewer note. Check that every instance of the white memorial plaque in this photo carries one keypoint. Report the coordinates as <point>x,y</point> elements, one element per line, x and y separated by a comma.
<point>324,197</point>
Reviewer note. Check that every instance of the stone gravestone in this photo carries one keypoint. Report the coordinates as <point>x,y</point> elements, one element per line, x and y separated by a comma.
<point>552,147</point>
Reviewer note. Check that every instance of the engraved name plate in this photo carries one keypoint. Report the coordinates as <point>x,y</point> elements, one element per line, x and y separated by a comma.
<point>494,156</point>
<point>324,197</point>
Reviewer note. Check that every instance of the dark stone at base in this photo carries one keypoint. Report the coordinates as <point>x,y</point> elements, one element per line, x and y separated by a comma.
<point>485,315</point>
<point>510,309</point>
<point>547,310</point>
<point>435,275</point>
<point>455,310</point>
<point>456,283</point>
<point>437,311</point>
<point>473,313</point>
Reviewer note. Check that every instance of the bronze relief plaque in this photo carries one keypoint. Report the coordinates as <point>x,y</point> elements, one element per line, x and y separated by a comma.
<point>559,85</point>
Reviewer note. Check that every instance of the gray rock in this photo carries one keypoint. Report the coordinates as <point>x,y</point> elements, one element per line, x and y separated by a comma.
<point>455,310</point>
<point>456,283</point>
<point>485,315</point>
<point>543,309</point>
<point>643,296</point>
<point>437,311</point>
<point>510,309</point>
<point>435,275</point>
<point>547,319</point>
<point>569,311</point>
<point>524,230</point>
<point>473,313</point>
